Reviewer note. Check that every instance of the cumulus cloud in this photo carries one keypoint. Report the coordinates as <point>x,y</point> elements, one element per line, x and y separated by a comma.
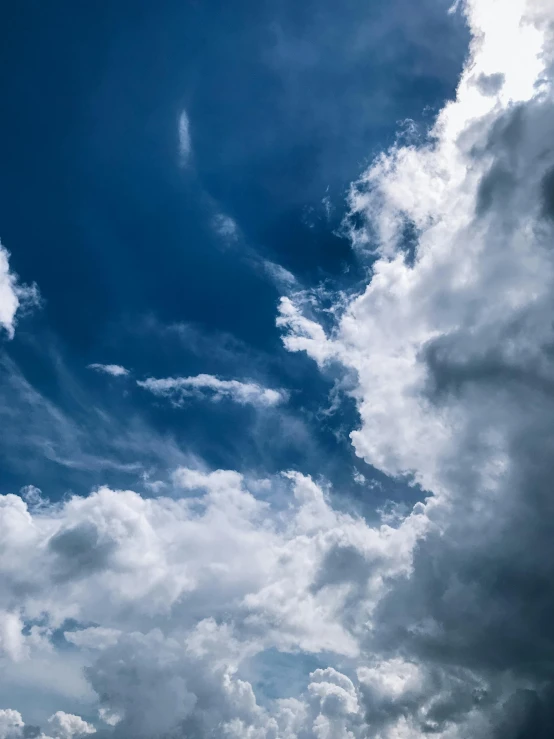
<point>13,295</point>
<point>451,347</point>
<point>167,601</point>
<point>178,389</point>
<point>60,726</point>
<point>115,370</point>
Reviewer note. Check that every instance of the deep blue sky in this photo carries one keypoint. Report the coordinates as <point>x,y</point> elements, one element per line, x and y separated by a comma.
<point>287,101</point>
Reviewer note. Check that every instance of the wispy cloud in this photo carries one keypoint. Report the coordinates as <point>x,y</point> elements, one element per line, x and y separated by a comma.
<point>179,388</point>
<point>115,370</point>
<point>226,227</point>
<point>185,145</point>
<point>279,275</point>
<point>82,439</point>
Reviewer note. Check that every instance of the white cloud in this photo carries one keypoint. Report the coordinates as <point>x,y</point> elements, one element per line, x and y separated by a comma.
<point>67,726</point>
<point>11,724</point>
<point>303,333</point>
<point>115,370</point>
<point>61,726</point>
<point>13,295</point>
<point>179,388</point>
<point>185,144</point>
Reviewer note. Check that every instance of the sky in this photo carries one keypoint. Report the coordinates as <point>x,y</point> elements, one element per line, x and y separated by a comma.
<point>277,369</point>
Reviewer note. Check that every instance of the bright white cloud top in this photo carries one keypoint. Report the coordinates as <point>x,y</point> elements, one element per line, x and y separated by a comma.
<point>178,389</point>
<point>167,609</point>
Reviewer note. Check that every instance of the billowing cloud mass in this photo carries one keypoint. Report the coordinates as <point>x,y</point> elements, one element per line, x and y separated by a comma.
<point>169,603</point>
<point>450,347</point>
<point>115,370</point>
<point>13,295</point>
<point>178,389</point>
<point>169,613</point>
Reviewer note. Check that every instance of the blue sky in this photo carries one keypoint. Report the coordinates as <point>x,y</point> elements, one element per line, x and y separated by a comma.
<point>276,369</point>
<point>285,105</point>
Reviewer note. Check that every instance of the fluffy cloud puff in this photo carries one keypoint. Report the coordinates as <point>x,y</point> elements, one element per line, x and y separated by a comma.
<point>451,349</point>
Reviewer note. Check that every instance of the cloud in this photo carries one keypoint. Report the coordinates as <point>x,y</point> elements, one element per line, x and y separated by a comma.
<point>279,275</point>
<point>66,726</point>
<point>245,393</point>
<point>183,591</point>
<point>61,726</point>
<point>115,370</point>
<point>185,145</point>
<point>226,227</point>
<point>450,345</point>
<point>14,296</point>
